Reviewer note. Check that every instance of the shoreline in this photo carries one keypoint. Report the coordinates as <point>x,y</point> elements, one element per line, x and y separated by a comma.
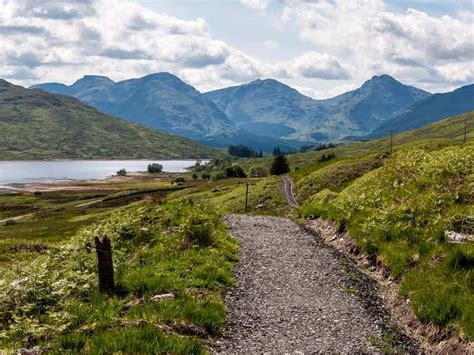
<point>86,184</point>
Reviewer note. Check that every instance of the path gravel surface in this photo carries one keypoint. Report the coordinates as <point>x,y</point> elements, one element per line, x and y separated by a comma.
<point>297,295</point>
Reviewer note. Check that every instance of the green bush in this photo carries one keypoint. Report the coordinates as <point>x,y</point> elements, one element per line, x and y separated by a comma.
<point>258,172</point>
<point>155,168</point>
<point>122,172</point>
<point>218,176</point>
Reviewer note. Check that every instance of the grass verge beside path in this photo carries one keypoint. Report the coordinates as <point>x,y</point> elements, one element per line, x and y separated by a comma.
<point>398,214</point>
<point>174,248</point>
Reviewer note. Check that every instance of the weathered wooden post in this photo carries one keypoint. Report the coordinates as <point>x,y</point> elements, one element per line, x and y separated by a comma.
<point>105,265</point>
<point>246,196</point>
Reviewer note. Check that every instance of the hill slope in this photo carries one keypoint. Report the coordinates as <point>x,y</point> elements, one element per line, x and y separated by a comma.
<point>160,101</point>
<point>432,109</point>
<point>270,107</point>
<point>38,125</point>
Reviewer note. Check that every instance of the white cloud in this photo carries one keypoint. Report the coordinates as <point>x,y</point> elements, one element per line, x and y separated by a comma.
<point>346,42</point>
<point>272,44</point>
<point>373,40</point>
<point>259,5</point>
<point>317,65</point>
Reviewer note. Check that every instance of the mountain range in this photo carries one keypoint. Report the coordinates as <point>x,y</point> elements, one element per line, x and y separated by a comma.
<point>262,113</point>
<point>270,106</point>
<point>35,124</point>
<point>164,102</point>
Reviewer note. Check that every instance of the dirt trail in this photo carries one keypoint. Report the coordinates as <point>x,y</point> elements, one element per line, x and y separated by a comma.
<point>295,294</point>
<point>289,191</point>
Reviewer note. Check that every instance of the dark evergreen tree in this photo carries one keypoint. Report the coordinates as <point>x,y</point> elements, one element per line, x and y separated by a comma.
<point>277,151</point>
<point>280,165</point>
<point>242,151</point>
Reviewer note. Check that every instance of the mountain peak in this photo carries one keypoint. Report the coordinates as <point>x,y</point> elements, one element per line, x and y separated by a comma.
<point>94,79</point>
<point>160,76</point>
<point>384,77</point>
<point>266,81</point>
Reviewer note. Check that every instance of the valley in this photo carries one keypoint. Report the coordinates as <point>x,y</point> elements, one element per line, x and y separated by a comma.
<point>236,177</point>
<point>174,255</point>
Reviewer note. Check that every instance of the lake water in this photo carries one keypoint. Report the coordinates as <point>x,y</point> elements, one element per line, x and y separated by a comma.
<point>27,172</point>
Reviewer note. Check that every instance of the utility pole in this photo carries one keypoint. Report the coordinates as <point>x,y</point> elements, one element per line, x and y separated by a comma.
<point>391,141</point>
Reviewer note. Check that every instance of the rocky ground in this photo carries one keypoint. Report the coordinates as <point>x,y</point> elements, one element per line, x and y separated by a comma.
<point>295,294</point>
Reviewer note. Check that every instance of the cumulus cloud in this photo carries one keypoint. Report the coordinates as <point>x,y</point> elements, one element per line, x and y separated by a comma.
<point>118,39</point>
<point>346,42</point>
<point>374,40</point>
<point>259,5</point>
<point>317,65</point>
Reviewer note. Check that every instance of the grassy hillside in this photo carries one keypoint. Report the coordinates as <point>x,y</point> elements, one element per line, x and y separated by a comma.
<point>38,125</point>
<point>398,214</point>
<point>445,132</point>
<point>175,249</point>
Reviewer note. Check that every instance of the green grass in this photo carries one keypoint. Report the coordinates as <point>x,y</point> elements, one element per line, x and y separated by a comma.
<point>155,251</point>
<point>337,175</point>
<point>136,339</point>
<point>399,212</point>
<point>228,196</point>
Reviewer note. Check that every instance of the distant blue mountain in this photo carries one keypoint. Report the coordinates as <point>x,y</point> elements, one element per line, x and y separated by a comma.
<point>429,110</point>
<point>271,108</point>
<point>164,102</point>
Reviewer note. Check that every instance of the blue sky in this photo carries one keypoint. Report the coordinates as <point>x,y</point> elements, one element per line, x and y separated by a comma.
<point>320,47</point>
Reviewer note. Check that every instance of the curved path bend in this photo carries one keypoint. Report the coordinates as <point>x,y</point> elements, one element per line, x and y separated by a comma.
<point>297,295</point>
<point>288,189</point>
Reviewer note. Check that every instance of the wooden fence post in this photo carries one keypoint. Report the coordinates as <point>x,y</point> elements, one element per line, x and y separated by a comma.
<point>105,265</point>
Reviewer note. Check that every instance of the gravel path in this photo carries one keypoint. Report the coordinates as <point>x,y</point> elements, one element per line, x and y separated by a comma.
<point>289,191</point>
<point>295,294</point>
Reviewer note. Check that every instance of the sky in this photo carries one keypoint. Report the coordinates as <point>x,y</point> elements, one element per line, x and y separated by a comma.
<point>320,47</point>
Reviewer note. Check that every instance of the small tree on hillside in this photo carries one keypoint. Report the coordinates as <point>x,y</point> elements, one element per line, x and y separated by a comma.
<point>155,168</point>
<point>280,165</point>
<point>122,172</point>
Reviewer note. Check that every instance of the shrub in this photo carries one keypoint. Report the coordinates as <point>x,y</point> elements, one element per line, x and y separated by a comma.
<point>258,171</point>
<point>238,171</point>
<point>155,168</point>
<point>218,176</point>
<point>122,172</point>
<point>10,222</point>
<point>195,176</point>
